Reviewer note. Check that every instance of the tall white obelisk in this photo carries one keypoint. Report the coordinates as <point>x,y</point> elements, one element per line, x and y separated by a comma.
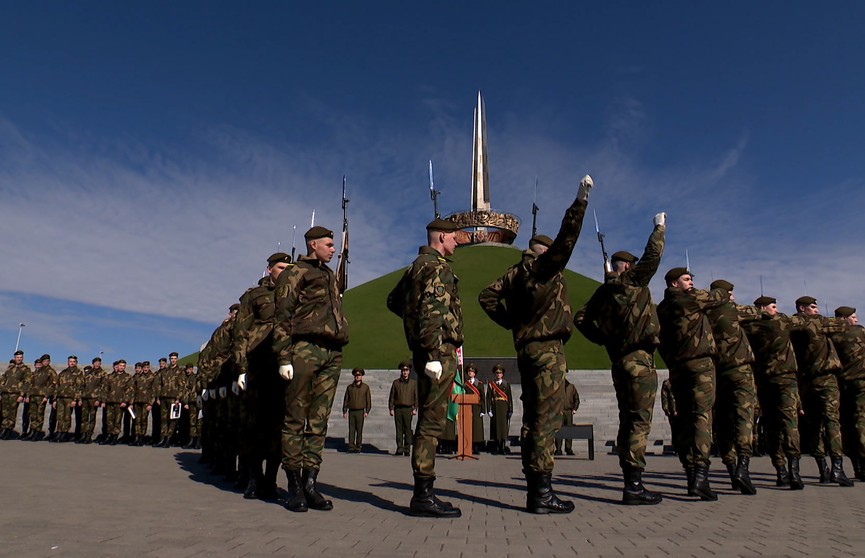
<point>480,172</point>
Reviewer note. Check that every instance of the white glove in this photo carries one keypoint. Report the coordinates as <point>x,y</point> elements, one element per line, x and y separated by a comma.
<point>661,219</point>
<point>241,382</point>
<point>490,414</point>
<point>586,185</point>
<point>223,391</point>
<point>205,394</point>
<point>212,392</point>
<point>286,371</point>
<point>235,389</point>
<point>433,369</point>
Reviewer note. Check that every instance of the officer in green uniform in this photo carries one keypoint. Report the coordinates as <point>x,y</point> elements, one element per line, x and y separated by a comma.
<point>402,405</point>
<point>475,386</point>
<point>572,404</point>
<point>531,300</point>
<point>427,300</point>
<point>308,336</point>
<point>355,407</point>
<point>500,406</point>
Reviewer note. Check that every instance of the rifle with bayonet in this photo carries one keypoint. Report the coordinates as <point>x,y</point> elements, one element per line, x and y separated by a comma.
<point>535,209</point>
<point>342,266</point>
<point>433,193</point>
<point>607,266</point>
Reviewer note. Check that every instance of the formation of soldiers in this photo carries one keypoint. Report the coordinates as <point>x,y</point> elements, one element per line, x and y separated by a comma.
<point>158,401</point>
<point>268,376</point>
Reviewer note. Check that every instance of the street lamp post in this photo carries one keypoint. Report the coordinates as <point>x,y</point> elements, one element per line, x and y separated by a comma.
<point>18,341</point>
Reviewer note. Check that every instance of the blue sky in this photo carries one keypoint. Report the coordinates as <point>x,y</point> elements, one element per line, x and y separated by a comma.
<point>152,155</point>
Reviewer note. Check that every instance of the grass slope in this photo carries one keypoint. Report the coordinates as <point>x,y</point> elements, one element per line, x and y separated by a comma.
<point>377,339</point>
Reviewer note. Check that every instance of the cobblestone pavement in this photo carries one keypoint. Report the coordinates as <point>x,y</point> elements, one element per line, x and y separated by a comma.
<point>72,500</point>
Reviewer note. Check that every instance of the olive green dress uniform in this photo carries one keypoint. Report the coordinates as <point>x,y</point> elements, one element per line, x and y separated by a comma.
<point>621,316</point>
<point>403,402</point>
<point>850,345</point>
<point>43,382</point>
<point>357,402</point>
<point>572,403</point>
<point>119,389</point>
<point>309,333</point>
<point>92,396</point>
<point>500,405</point>
<point>13,386</point>
<point>70,385</point>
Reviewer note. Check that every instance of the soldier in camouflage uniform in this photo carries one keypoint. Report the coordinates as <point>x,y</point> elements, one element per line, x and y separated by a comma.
<point>169,387</point>
<point>818,366</point>
<point>13,390</point>
<point>119,392</point>
<point>309,333</point>
<point>142,401</point>
<point>571,405</point>
<point>92,398</point>
<point>356,405</point>
<point>427,300</point>
<point>70,385</point>
<point>736,394</point>
<point>531,300</point>
<point>40,392</point>
<point>688,347</point>
<point>211,360</point>
<point>621,316</point>
<point>850,345</point>
<point>192,404</point>
<point>262,400</point>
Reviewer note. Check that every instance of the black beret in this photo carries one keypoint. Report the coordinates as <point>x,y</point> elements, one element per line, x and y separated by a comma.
<point>189,365</point>
<point>234,307</point>
<point>675,273</point>
<point>72,356</point>
<point>163,359</point>
<point>405,365</point>
<point>145,363</point>
<point>121,361</point>
<point>541,239</point>
<point>96,358</point>
<point>442,225</point>
<point>805,301</point>
<point>37,361</point>
<point>317,232</point>
<point>623,256</point>
<point>174,354</point>
<point>115,363</point>
<point>45,357</point>
<point>721,284</point>
<point>764,301</point>
<point>279,257</point>
<point>138,365</point>
<point>19,352</point>
<point>844,311</point>
<point>358,372</point>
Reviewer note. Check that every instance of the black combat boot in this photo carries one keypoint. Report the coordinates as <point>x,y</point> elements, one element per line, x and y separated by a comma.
<point>858,470</point>
<point>27,437</point>
<point>689,475</point>
<point>742,476</point>
<point>115,439</point>
<point>782,476</point>
<point>197,444</point>
<point>635,494</point>
<point>191,444</point>
<point>837,474</point>
<point>823,468</point>
<point>313,497</point>
<point>267,487</point>
<point>541,498</point>
<point>795,479</point>
<point>296,500</point>
<point>251,491</point>
<point>731,470</point>
<point>38,437</point>
<point>701,483</point>
<point>425,504</point>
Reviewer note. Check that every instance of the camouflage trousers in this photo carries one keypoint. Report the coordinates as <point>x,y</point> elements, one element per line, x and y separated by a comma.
<point>402,424</point>
<point>9,405</point>
<point>308,402</point>
<point>433,397</point>
<point>141,413</point>
<point>169,425</point>
<point>64,414</point>
<point>355,429</point>
<point>693,383</point>
<point>542,373</point>
<point>821,402</point>
<point>853,417</point>
<point>194,421</point>
<point>36,412</point>
<point>88,416</point>
<point>734,412</point>
<point>114,415</point>
<point>636,382</point>
<point>779,402</point>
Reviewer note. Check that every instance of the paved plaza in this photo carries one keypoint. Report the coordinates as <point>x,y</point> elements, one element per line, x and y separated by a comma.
<point>73,500</point>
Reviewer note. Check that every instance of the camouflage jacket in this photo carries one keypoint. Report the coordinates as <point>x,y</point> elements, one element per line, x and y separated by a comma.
<point>143,387</point>
<point>43,382</point>
<point>428,301</point>
<point>253,323</point>
<point>531,298</point>
<point>572,397</point>
<point>70,383</point>
<point>733,346</point>
<point>216,352</point>
<point>685,329</point>
<point>770,340</point>
<point>169,383</point>
<point>119,387</point>
<point>850,345</point>
<point>403,393</point>
<point>308,306</point>
<point>194,386</point>
<point>93,385</point>
<point>621,315</point>
<point>668,400</point>
<point>357,397</point>
<point>16,379</point>
<point>814,350</point>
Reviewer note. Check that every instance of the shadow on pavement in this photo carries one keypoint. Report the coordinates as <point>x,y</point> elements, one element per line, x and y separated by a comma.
<point>452,494</point>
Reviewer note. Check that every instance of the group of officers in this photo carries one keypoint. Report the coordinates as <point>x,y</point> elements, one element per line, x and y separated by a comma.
<point>165,400</point>
<point>268,376</point>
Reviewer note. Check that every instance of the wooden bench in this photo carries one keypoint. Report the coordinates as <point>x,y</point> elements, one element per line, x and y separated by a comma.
<point>584,431</point>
